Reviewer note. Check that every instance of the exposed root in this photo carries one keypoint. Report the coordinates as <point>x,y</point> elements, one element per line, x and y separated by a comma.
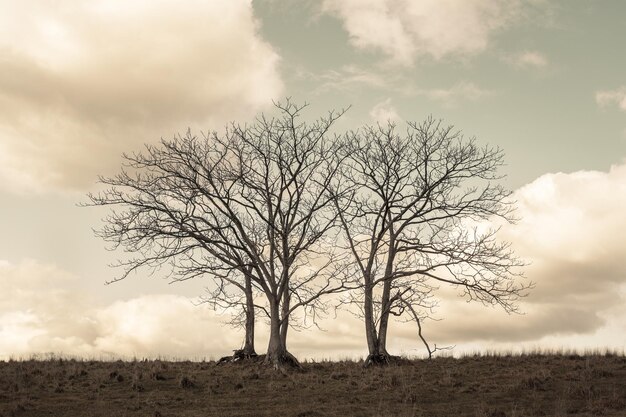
<point>282,361</point>
<point>381,359</point>
<point>239,355</point>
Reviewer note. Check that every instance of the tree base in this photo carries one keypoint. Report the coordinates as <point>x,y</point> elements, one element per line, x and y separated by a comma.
<point>238,356</point>
<point>381,359</point>
<point>282,361</point>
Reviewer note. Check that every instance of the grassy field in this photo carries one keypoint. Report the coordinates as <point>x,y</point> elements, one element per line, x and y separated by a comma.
<point>489,386</point>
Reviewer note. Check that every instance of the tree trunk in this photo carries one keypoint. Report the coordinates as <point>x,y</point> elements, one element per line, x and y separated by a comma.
<point>277,354</point>
<point>284,327</point>
<point>376,341</point>
<point>384,319</point>
<point>380,355</point>
<point>370,325</point>
<point>248,349</point>
<point>275,347</point>
<point>385,299</point>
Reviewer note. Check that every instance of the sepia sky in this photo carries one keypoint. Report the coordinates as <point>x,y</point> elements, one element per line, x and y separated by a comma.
<point>83,81</point>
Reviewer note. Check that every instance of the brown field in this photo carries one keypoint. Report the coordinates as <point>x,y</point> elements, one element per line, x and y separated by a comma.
<point>489,386</point>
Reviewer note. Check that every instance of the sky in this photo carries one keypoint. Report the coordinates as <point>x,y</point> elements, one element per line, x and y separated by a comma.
<point>82,82</point>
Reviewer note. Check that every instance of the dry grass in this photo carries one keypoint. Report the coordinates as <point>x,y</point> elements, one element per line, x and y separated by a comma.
<point>504,385</point>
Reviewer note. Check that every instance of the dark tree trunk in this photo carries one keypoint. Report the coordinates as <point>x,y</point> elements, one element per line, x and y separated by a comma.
<point>275,347</point>
<point>377,340</point>
<point>370,326</point>
<point>284,327</point>
<point>384,319</point>
<point>380,356</point>
<point>385,303</point>
<point>277,354</point>
<point>373,343</point>
<point>248,349</point>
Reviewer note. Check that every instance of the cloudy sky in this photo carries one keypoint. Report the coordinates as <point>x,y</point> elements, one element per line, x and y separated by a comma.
<point>83,81</point>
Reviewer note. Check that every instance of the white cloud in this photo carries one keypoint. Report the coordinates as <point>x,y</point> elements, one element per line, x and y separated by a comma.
<point>162,325</point>
<point>528,59</point>
<point>612,97</point>
<point>384,112</point>
<point>352,78</point>
<point>43,310</point>
<point>346,78</point>
<point>405,29</point>
<point>35,306</point>
<point>462,91</point>
<point>89,80</point>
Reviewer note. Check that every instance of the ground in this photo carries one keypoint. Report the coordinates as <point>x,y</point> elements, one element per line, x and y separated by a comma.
<point>485,386</point>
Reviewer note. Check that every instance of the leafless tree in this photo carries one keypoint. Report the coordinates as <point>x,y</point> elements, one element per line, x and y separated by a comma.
<point>251,207</point>
<point>415,220</point>
<point>163,215</point>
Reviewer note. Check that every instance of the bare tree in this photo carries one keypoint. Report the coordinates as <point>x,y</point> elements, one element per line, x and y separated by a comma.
<point>165,216</point>
<point>413,222</point>
<point>250,207</point>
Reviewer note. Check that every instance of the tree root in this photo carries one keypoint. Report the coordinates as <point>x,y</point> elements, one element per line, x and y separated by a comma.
<point>282,363</point>
<point>284,360</point>
<point>239,355</point>
<point>381,359</point>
